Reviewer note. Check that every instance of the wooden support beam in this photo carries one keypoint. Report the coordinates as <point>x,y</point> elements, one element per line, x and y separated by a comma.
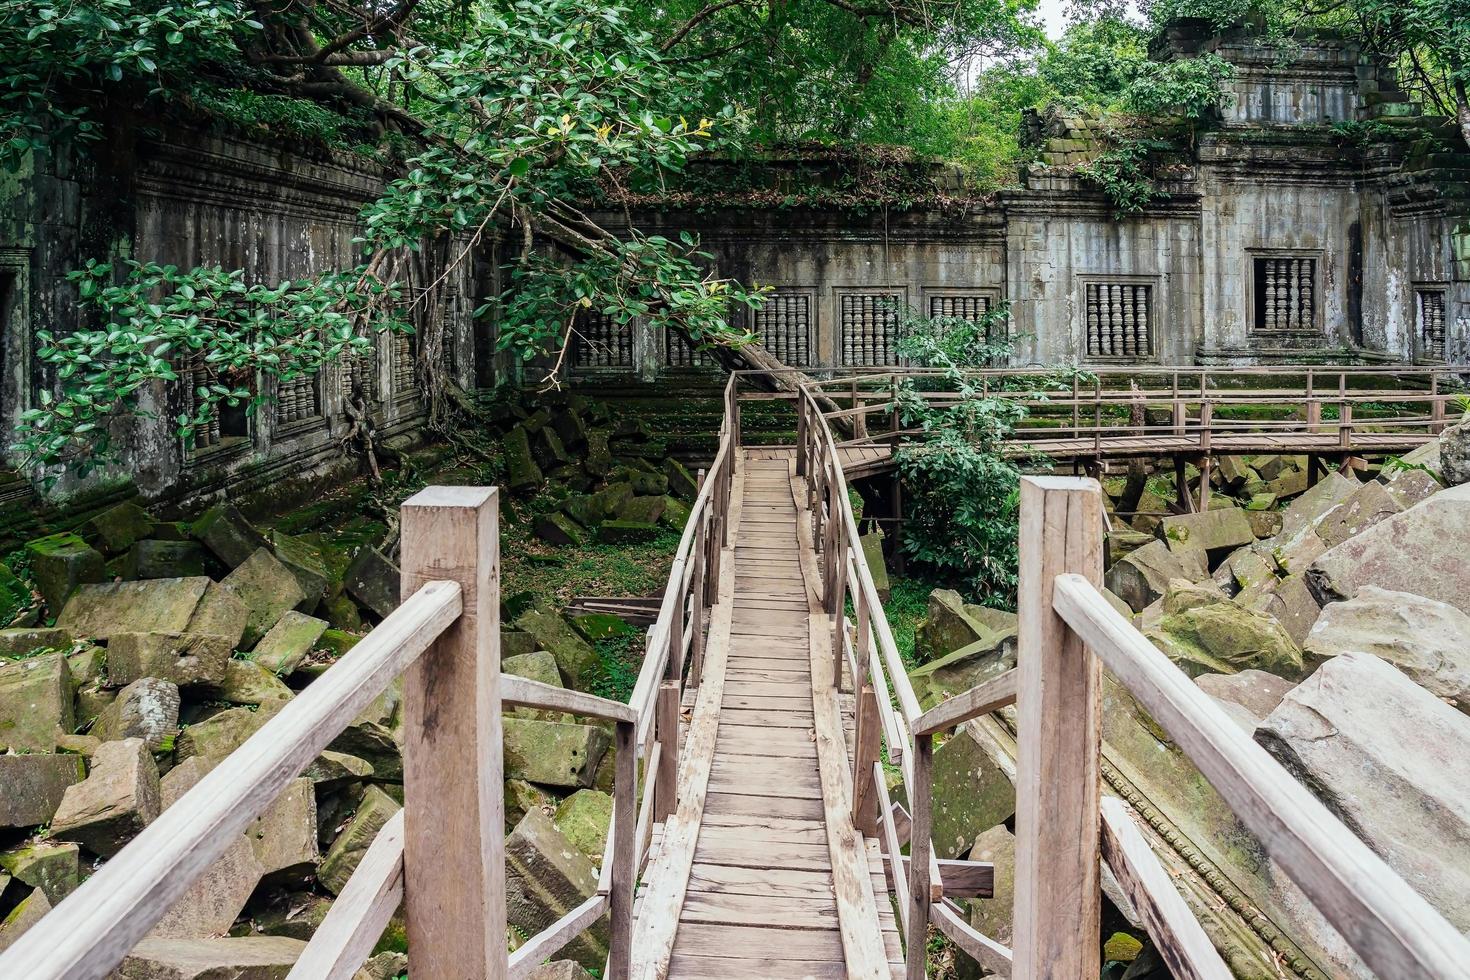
<point>454,819</point>
<point>1058,891</point>
<point>866,745</point>
<point>963,879</point>
<point>624,831</point>
<point>666,731</point>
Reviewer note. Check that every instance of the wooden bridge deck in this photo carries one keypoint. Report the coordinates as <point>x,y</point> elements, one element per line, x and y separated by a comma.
<point>760,873</point>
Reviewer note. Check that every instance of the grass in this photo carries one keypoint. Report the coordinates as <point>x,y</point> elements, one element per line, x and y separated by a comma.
<point>560,573</point>
<point>908,603</point>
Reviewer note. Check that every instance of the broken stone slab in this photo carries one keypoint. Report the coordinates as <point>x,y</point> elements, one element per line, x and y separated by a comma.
<point>148,708</point>
<point>117,529</point>
<point>1454,454</point>
<point>60,563</point>
<point>521,470</point>
<point>682,483</point>
<point>223,732</point>
<point>1264,523</point>
<point>1143,576</point>
<point>1216,532</point>
<point>644,483</point>
<point>284,836</point>
<point>957,672</point>
<point>584,818</point>
<point>1421,550</point>
<point>24,641</point>
<point>267,588</point>
<point>188,660</point>
<point>598,459</point>
<point>222,613</point>
<point>32,785</point>
<point>1392,762</point>
<point>546,877</point>
<point>1366,506</point>
<point>676,514</point>
<point>158,605</point>
<point>1245,569</point>
<point>151,559</point>
<point>53,868</point>
<point>347,851</point>
<point>626,532</point>
<point>214,900</point>
<point>1409,486</point>
<point>119,797</point>
<point>1257,691</point>
<point>307,563</point>
<point>642,510</point>
<point>537,666</point>
<point>1225,637</point>
<point>575,656</point>
<point>332,770</point>
<point>559,529</point>
<point>1304,512</point>
<point>552,753</point>
<point>242,958</point>
<point>872,543</point>
<point>1288,601</point>
<point>288,642</point>
<point>374,581</point>
<point>971,793</point>
<point>950,624</point>
<point>387,965</point>
<point>31,910</point>
<point>376,745</point>
<point>1426,639</point>
<point>226,532</point>
<point>246,682</point>
<point>35,703</point>
<point>15,598</point>
<point>521,796</point>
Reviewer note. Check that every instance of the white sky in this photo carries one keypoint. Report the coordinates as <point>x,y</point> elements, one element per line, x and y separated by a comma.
<point>1053,17</point>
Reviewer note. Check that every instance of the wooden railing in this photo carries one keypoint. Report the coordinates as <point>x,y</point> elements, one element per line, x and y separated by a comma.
<point>1065,829</point>
<point>443,856</point>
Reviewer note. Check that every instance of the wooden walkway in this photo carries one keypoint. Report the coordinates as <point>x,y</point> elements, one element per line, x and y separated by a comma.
<point>760,872</point>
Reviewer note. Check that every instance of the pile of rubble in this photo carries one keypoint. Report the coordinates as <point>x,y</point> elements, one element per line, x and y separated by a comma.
<point>174,642</point>
<point>1331,621</point>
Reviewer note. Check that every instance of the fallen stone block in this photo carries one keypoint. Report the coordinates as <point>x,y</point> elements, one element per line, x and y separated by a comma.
<point>223,732</point>
<point>522,473</point>
<point>1257,691</point>
<point>246,682</point>
<point>993,916</point>
<point>374,581</point>
<point>584,818</point>
<point>546,877</point>
<point>119,797</point>
<point>31,910</point>
<point>575,656</point>
<point>1143,576</point>
<point>53,868</point>
<point>32,785</point>
<point>1421,550</point>
<point>957,672</point>
<point>60,563</point>
<point>332,770</point>
<point>598,459</point>
<point>1224,637</point>
<point>117,529</point>
<point>537,666</point>
<point>1392,762</point>
<point>24,641</point>
<point>682,483</point>
<point>148,708</point>
<point>559,529</point>
<point>35,703</point>
<point>288,642</point>
<point>951,624</point>
<point>226,532</point>
<point>346,853</point>
<point>971,794</point>
<point>222,613</point>
<point>284,837</point>
<point>307,563</point>
<point>163,559</point>
<point>1454,454</point>
<point>1428,640</point>
<point>1308,509</point>
<point>1216,532</point>
<point>214,900</point>
<point>1288,601</point>
<point>1369,504</point>
<point>187,660</point>
<point>244,958</point>
<point>626,532</point>
<point>376,745</point>
<point>267,588</point>
<point>1409,486</point>
<point>642,510</point>
<point>158,605</point>
<point>553,754</point>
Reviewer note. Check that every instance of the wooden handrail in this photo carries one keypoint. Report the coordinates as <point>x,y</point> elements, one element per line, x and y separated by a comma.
<point>90,932</point>
<point>1391,927</point>
<point>527,693</point>
<point>982,699</point>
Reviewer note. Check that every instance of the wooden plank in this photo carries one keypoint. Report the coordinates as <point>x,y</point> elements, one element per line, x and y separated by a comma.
<point>787,830</point>
<point>669,875</point>
<point>766,702</point>
<point>981,699</point>
<point>770,719</point>
<point>987,952</point>
<point>964,879</point>
<point>549,941</point>
<point>356,920</point>
<point>1388,924</point>
<point>716,879</point>
<point>1176,933</point>
<point>751,805</point>
<point>525,692</point>
<point>622,839</point>
<point>761,688</point>
<point>743,663</point>
<point>746,850</point>
<point>776,944</point>
<point>1058,896</point>
<point>756,910</point>
<point>91,931</point>
<point>451,696</point>
<point>696,967</point>
<point>726,783</point>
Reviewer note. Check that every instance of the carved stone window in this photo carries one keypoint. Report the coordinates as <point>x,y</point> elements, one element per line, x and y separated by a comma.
<point>298,399</point>
<point>680,353</point>
<point>228,425</point>
<point>402,350</point>
<point>1119,318</point>
<point>959,306</point>
<point>360,373</point>
<point>1431,305</point>
<point>868,322</point>
<point>1285,293</point>
<point>783,325</point>
<point>599,341</point>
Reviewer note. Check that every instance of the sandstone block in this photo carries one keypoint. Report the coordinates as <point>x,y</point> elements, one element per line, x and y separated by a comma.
<point>552,753</point>
<point>1454,454</point>
<point>267,588</point>
<point>546,876</point>
<point>971,794</point>
<point>224,732</point>
<point>245,958</point>
<point>117,529</point>
<point>53,868</point>
<point>226,532</point>
<point>584,818</point>
<point>60,563</point>
<point>1143,576</point>
<point>1369,504</point>
<point>374,581</point>
<point>32,785</point>
<point>288,642</point>
<point>284,837</point>
<point>158,605</point>
<point>186,659</point>
<point>148,708</point>
<point>35,702</point>
<point>1257,691</point>
<point>222,613</point>
<point>574,655</point>
<point>119,797</point>
<point>346,852</point>
<point>1215,532</point>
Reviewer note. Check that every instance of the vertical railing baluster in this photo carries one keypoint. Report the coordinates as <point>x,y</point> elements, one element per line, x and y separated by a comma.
<point>624,855</point>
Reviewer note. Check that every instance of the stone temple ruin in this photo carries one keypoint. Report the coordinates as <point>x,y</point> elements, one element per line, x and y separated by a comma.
<point>1322,219</point>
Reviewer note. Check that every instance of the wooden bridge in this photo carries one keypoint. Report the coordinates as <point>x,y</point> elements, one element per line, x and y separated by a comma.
<point>759,839</point>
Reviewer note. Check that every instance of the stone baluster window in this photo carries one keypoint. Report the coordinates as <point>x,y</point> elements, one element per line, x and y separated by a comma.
<point>599,341</point>
<point>298,399</point>
<point>401,348</point>
<point>228,424</point>
<point>1285,293</point>
<point>359,372</point>
<point>679,352</point>
<point>783,325</point>
<point>869,328</point>
<point>1119,320</point>
<point>1431,323</point>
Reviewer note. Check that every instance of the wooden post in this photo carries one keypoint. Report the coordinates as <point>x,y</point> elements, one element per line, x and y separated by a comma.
<point>1057,904</point>
<point>916,936</point>
<point>801,434</point>
<point>838,606</point>
<point>865,743</point>
<point>1181,488</point>
<point>675,669</point>
<point>696,613</point>
<point>666,731</point>
<point>624,853</point>
<point>1436,407</point>
<point>1345,425</point>
<point>454,819</point>
<point>1314,407</point>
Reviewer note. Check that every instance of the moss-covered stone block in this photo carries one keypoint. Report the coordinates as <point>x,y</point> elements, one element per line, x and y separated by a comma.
<point>559,529</point>
<point>553,753</point>
<point>226,532</point>
<point>575,656</point>
<point>347,851</point>
<point>626,532</point>
<point>267,588</point>
<point>101,610</point>
<point>584,818</point>
<point>117,529</point>
<point>60,563</point>
<point>522,473</point>
<point>35,703</point>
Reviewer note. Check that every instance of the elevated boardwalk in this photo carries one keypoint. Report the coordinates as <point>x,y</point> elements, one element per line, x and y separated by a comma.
<point>758,838</point>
